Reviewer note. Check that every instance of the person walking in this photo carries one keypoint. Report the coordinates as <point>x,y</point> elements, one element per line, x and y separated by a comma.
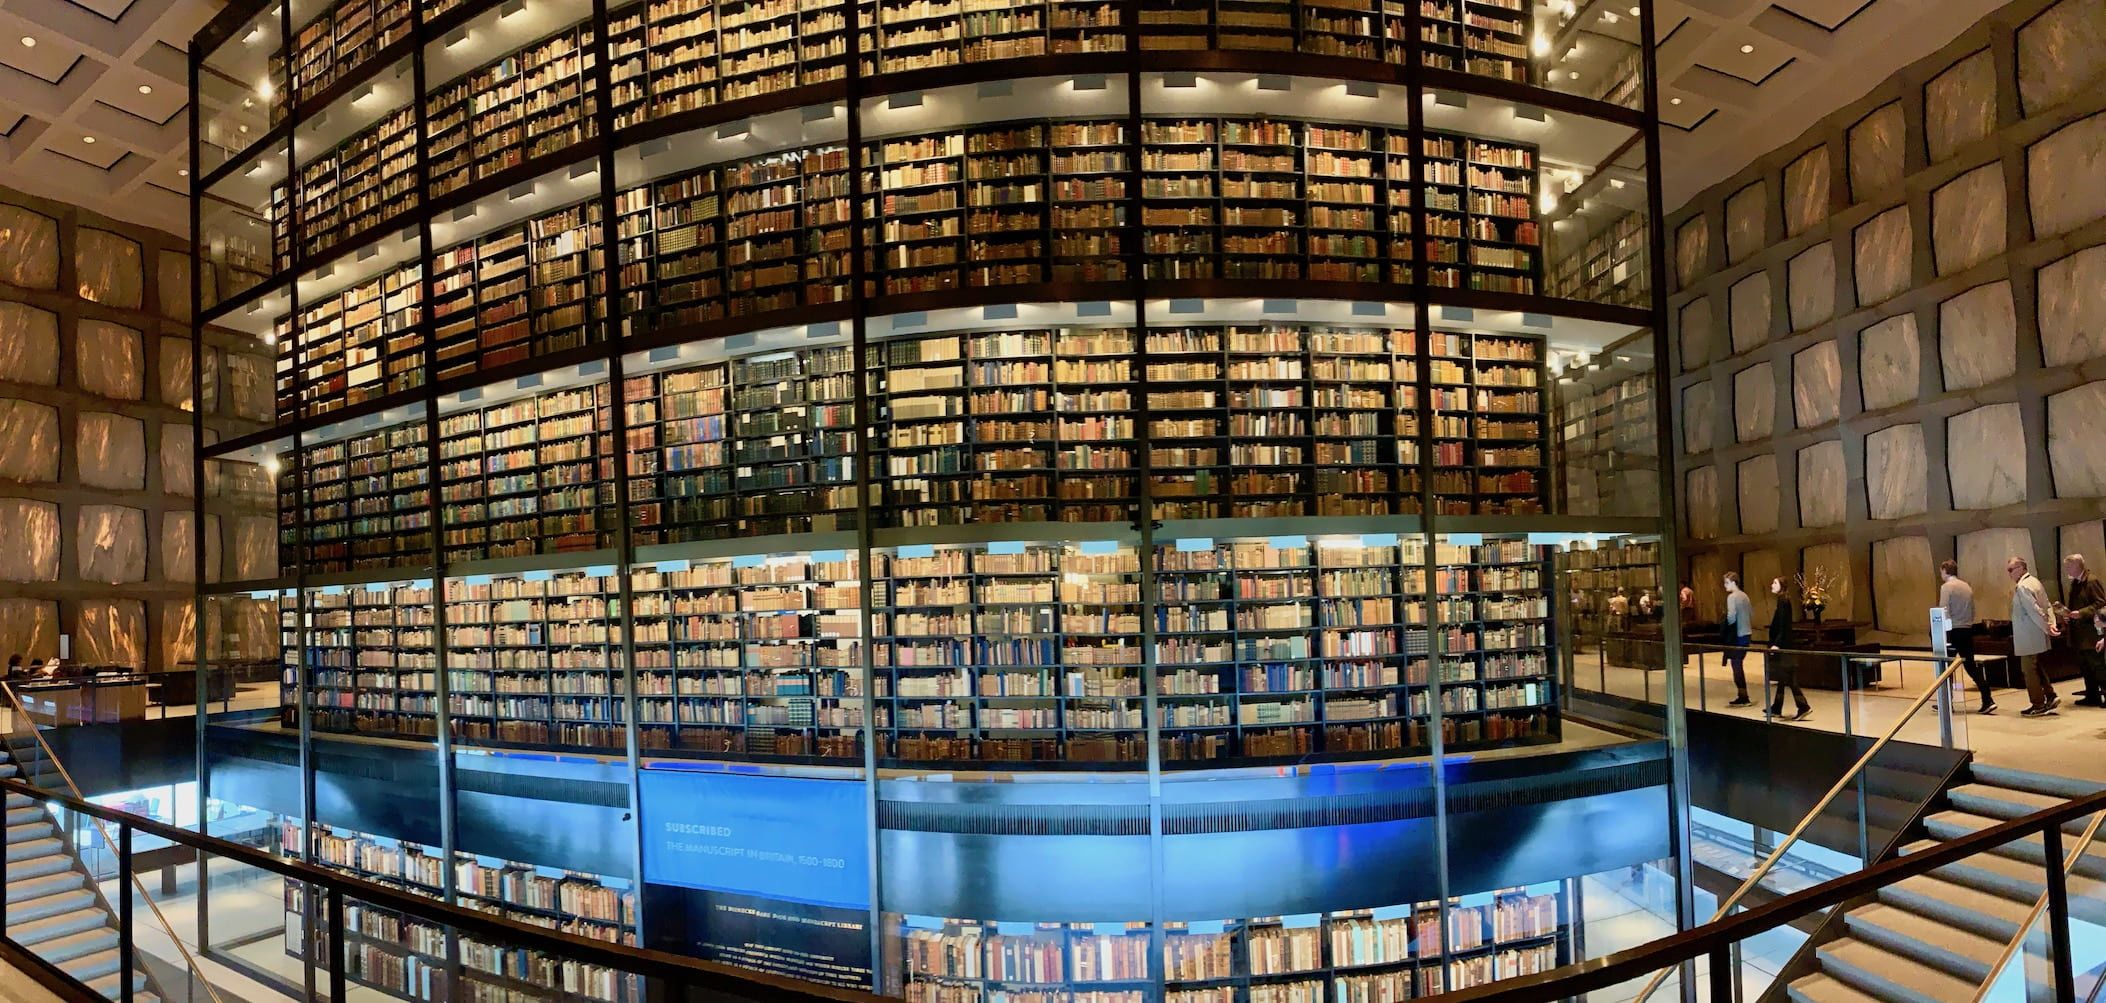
<point>1686,599</point>
<point>2086,597</point>
<point>1784,669</point>
<point>1956,597</point>
<point>2032,627</point>
<point>1740,632</point>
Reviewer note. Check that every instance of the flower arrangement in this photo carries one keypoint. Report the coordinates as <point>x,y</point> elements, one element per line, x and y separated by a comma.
<point>1818,587</point>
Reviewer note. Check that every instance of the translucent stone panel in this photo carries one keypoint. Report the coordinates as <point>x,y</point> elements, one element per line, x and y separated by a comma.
<point>1702,487</point>
<point>1889,363</point>
<point>1978,336</point>
<point>178,547</point>
<point>1757,567</point>
<point>1692,249</point>
<point>112,451</point>
<point>1968,219</point>
<point>1759,491</point>
<point>29,446</point>
<point>1817,385</point>
<point>1810,286</point>
<point>243,628</point>
<point>1959,106</point>
<point>2060,53</point>
<point>28,344</point>
<point>1705,572</point>
<point>1904,584</point>
<point>2072,313</point>
<point>29,251</point>
<point>175,369</point>
<point>111,632</point>
<point>1823,486</point>
<point>1983,451</point>
<point>1884,252</point>
<point>2062,177</point>
<point>1754,403</point>
<point>178,477</point>
<point>1834,559</point>
<point>2087,538</point>
<point>172,282</point>
<point>1982,555</point>
<point>111,361</point>
<point>1697,334</point>
<point>1750,310</point>
<point>1699,417</point>
<point>109,268</point>
<point>1875,153</point>
<point>29,627</point>
<point>1806,191</point>
<point>29,540</point>
<point>112,544</point>
<point>253,549</point>
<point>249,381</point>
<point>2076,449</point>
<point>1897,478</point>
<point>1744,221</point>
<point>177,632</point>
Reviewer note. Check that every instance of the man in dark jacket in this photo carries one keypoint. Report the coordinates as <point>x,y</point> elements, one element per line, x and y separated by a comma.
<point>2085,596</point>
<point>1783,667</point>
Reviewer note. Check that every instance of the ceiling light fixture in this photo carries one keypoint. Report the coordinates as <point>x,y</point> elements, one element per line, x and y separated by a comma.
<point>29,41</point>
<point>90,140</point>
<point>1745,49</point>
<point>1634,12</point>
<point>183,172</point>
<point>264,89</point>
<point>1674,100</point>
<point>146,89</point>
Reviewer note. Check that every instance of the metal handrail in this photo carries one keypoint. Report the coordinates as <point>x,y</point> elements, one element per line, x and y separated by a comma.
<point>1777,853</point>
<point>2025,927</point>
<point>681,970</point>
<point>22,714</point>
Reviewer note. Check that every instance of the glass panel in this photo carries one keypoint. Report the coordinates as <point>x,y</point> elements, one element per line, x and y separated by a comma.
<point>244,219</point>
<point>242,90</point>
<point>1598,248</point>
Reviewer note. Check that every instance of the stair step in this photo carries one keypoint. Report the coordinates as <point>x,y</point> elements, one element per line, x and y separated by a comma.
<point>59,901</point>
<point>90,967</point>
<point>15,800</point>
<point>40,828</point>
<point>1891,977</point>
<point>1820,987</point>
<point>1959,953</point>
<point>1951,825</point>
<point>27,889</point>
<point>77,945</point>
<point>108,986</point>
<point>2021,879</point>
<point>28,812</point>
<point>1987,915</point>
<point>89,916</point>
<point>22,870</point>
<point>2065,788</point>
<point>30,849</point>
<point>2005,804</point>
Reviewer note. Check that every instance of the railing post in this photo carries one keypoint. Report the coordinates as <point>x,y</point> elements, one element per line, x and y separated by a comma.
<point>339,950</point>
<point>2058,915</point>
<point>1848,731</point>
<point>127,952</point>
<point>1945,699</point>
<point>1721,975</point>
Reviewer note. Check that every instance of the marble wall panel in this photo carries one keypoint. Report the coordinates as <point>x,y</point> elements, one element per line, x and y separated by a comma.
<point>1968,219</point>
<point>1749,307</point>
<point>1698,333</point>
<point>1702,499</point>
<point>29,442</point>
<point>2060,53</point>
<point>1817,385</point>
<point>29,348</point>
<point>1692,249</point>
<point>176,633</point>
<point>178,546</point>
<point>1981,452</point>
<point>1759,490</point>
<point>252,549</point>
<point>29,248</point>
<point>111,544</point>
<point>111,360</point>
<point>1889,362</point>
<point>1806,191</point>
<point>172,283</point>
<point>1757,567</point>
<point>1959,105</point>
<point>1896,473</point>
<point>1705,571</point>
<point>1810,286</point>
<point>178,477</point>
<point>2087,538</point>
<point>1754,402</point>
<point>111,450</point>
<point>109,268</point>
<point>1744,221</point>
<point>29,627</point>
<point>111,632</point>
<point>2077,442</point>
<point>1883,249</point>
<point>175,369</point>
<point>1978,336</point>
<point>1982,555</point>
<point>2062,177</point>
<point>249,385</point>
<point>1833,558</point>
<point>1699,417</point>
<point>1823,485</point>
<point>1875,152</point>
<point>1904,585</point>
<point>2072,313</point>
<point>29,540</point>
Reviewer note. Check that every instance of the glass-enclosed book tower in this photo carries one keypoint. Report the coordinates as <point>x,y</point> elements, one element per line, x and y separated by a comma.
<point>860,429</point>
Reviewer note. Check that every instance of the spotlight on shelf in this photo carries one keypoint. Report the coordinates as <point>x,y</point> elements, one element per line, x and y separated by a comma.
<point>1181,79</point>
<point>1541,47</point>
<point>271,465</point>
<point>910,99</point>
<point>1362,89</point>
<point>265,90</point>
<point>1089,82</point>
<point>1274,82</point>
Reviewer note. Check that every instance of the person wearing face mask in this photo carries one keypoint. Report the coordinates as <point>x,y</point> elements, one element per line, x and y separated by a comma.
<point>2032,627</point>
<point>1784,668</point>
<point>1740,631</point>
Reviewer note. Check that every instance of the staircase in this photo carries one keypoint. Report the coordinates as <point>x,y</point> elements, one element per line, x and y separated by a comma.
<point>53,910</point>
<point>1933,938</point>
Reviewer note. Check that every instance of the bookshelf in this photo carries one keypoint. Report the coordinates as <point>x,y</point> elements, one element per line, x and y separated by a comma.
<point>533,660</point>
<point>1489,426</point>
<point>368,501</point>
<point>341,40</point>
<point>1608,267</point>
<point>528,105</point>
<point>1593,576</point>
<point>363,182</point>
<point>361,344</point>
<point>531,475</point>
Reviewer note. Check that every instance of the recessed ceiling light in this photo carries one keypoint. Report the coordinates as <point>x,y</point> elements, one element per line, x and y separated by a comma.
<point>244,130</point>
<point>90,140</point>
<point>30,41</point>
<point>183,173</point>
<point>1745,49</point>
<point>1634,12</point>
<point>1674,100</point>
<point>146,89</point>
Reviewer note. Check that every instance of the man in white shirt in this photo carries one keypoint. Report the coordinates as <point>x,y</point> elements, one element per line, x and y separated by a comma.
<point>1957,599</point>
<point>2032,627</point>
<point>1740,629</point>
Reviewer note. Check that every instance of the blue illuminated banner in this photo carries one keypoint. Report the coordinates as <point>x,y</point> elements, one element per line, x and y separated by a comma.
<point>787,838</point>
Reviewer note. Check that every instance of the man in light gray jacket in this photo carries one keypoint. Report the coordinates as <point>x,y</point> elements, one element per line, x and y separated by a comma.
<point>2032,626</point>
<point>1740,629</point>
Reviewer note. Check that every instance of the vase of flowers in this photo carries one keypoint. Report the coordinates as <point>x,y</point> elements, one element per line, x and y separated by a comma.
<point>1817,588</point>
